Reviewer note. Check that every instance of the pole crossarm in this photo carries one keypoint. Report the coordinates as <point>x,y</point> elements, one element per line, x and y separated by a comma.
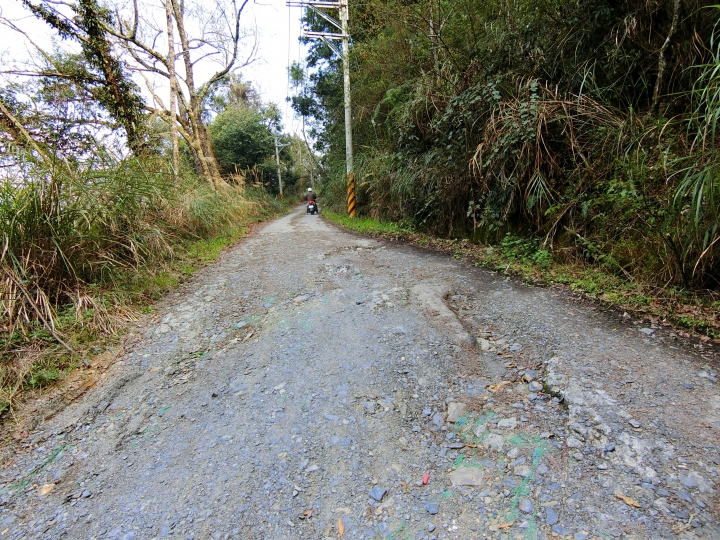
<point>332,46</point>
<point>302,4</point>
<point>332,20</point>
<point>324,35</point>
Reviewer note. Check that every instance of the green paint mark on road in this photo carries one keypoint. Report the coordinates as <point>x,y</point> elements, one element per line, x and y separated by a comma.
<point>306,325</point>
<point>23,482</point>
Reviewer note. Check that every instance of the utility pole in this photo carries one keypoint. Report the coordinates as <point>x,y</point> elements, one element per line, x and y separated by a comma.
<point>343,8</point>
<point>344,16</point>
<point>278,146</point>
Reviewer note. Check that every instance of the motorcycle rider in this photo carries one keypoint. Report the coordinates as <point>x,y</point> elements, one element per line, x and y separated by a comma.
<point>310,195</point>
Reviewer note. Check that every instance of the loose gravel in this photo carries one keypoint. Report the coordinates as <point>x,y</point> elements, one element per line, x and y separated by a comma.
<point>316,384</point>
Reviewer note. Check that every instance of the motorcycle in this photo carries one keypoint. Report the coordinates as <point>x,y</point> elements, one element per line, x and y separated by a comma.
<point>312,208</point>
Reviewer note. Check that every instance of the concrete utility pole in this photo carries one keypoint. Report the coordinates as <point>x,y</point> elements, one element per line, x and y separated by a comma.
<point>344,17</point>
<point>278,146</point>
<point>343,8</point>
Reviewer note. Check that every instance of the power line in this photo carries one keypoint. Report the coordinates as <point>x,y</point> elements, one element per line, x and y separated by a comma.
<point>287,88</point>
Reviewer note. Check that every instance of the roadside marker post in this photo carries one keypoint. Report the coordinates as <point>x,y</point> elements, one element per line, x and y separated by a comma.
<point>351,195</point>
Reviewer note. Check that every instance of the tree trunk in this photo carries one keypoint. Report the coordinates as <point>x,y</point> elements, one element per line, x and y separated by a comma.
<point>173,93</point>
<point>201,142</point>
<point>185,112</point>
<point>433,38</point>
<point>662,62</point>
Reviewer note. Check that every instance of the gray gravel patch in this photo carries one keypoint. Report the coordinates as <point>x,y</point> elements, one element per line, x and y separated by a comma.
<point>312,377</point>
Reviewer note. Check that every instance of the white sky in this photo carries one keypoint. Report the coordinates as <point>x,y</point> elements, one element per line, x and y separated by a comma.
<point>278,29</point>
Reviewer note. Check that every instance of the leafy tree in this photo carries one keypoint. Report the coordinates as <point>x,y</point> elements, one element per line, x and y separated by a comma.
<point>232,91</point>
<point>241,139</point>
<point>97,71</point>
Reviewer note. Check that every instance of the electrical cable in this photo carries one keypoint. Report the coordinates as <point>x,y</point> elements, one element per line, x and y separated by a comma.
<point>287,89</point>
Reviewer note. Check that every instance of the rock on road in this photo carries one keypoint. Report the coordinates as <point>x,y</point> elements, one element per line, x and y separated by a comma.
<point>316,384</point>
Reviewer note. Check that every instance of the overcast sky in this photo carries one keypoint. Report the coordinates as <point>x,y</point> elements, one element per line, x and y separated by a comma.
<point>278,29</point>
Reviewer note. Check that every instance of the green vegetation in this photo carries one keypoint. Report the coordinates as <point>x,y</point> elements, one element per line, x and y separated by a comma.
<point>571,135</point>
<point>687,310</point>
<point>102,210</point>
<point>241,140</point>
<point>86,249</point>
<point>367,225</point>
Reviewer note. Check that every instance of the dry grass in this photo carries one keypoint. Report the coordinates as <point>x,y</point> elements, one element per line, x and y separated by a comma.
<point>88,248</point>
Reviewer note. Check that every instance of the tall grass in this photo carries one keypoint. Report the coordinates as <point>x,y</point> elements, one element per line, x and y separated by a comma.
<point>698,195</point>
<point>75,235</point>
<point>635,194</point>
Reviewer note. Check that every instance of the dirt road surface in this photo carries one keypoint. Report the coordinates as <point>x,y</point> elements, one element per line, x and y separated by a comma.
<point>316,384</point>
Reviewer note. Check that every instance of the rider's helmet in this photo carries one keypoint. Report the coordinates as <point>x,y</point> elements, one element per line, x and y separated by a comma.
<point>309,189</point>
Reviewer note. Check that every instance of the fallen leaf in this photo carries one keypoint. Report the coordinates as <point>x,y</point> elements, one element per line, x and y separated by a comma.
<point>627,500</point>
<point>20,435</point>
<point>341,527</point>
<point>426,479</point>
<point>89,383</point>
<point>505,525</point>
<point>47,488</point>
<point>679,528</point>
<point>495,387</point>
<point>308,512</point>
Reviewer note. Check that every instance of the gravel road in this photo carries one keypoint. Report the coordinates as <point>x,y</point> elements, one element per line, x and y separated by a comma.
<point>316,384</point>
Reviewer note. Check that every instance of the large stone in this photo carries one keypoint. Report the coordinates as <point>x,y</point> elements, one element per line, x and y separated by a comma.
<point>485,345</point>
<point>694,480</point>
<point>455,411</point>
<point>551,517</point>
<point>493,442</point>
<point>535,387</point>
<point>377,493</point>
<point>525,506</point>
<point>508,423</point>
<point>573,442</point>
<point>467,476</point>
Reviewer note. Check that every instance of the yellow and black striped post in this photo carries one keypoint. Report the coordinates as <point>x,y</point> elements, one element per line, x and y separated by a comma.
<point>351,195</point>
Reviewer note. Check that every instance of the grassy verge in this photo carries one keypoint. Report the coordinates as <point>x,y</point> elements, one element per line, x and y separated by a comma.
<point>688,312</point>
<point>192,229</point>
<point>368,226</point>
